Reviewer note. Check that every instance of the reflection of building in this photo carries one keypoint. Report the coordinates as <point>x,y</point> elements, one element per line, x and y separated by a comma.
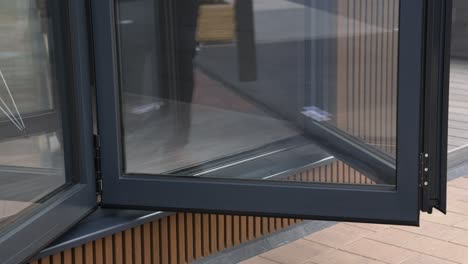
<point>460,29</point>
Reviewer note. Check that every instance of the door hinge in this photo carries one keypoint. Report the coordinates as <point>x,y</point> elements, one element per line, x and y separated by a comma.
<point>97,167</point>
<point>424,182</point>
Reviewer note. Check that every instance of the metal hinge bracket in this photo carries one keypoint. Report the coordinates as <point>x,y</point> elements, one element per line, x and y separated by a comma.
<point>97,167</point>
<point>424,183</point>
<point>424,169</point>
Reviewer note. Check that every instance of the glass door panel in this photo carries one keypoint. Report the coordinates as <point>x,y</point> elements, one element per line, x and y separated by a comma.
<point>273,90</point>
<point>304,109</point>
<point>32,165</point>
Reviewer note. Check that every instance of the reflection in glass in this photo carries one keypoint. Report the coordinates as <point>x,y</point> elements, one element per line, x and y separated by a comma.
<point>31,145</point>
<point>458,115</point>
<point>260,89</point>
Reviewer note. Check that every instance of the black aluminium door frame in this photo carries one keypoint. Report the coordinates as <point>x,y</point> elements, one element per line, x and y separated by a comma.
<point>370,204</point>
<point>66,207</point>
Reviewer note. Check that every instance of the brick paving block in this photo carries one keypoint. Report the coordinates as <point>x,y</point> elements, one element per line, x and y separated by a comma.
<point>456,193</point>
<point>462,224</point>
<point>426,259</point>
<point>298,251</point>
<point>423,244</point>
<point>450,219</point>
<point>339,236</point>
<point>435,230</point>
<point>372,227</point>
<point>458,207</point>
<point>379,251</point>
<point>341,257</point>
<point>461,239</point>
<point>461,182</point>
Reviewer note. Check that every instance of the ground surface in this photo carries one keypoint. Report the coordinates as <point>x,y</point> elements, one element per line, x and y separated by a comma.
<point>440,239</point>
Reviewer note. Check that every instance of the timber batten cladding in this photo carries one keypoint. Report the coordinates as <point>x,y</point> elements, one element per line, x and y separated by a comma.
<point>367,71</point>
<point>179,238</point>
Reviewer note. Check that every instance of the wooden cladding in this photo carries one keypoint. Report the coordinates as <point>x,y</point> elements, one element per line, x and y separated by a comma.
<point>179,238</point>
<point>367,71</point>
<point>216,23</point>
<point>335,171</point>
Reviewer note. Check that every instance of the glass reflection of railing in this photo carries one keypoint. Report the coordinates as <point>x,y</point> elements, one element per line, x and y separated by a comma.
<point>16,120</point>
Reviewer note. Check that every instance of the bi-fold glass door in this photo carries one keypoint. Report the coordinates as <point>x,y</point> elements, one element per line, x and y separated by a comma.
<point>46,149</point>
<point>290,108</point>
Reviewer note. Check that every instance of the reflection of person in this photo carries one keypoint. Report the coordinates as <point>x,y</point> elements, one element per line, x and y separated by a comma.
<point>178,27</point>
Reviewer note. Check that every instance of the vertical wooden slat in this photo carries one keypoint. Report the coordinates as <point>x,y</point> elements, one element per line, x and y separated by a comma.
<point>336,170</point>
<point>198,236</point>
<point>258,226</point>
<point>265,228</point>
<point>34,261</point>
<point>362,68</point>
<point>349,72</point>
<point>229,235</point>
<point>88,248</point>
<point>250,227</point>
<point>68,256</point>
<point>309,176</point>
<point>303,176</point>
<point>118,246</point>
<point>156,242</point>
<point>271,224</point>
<point>368,70</point>
<point>396,15</point>
<point>181,237</point>
<point>354,12</point>
<point>379,77</point>
<point>385,69</point>
<point>147,243</point>
<point>98,252</point>
<point>213,233</point>
<point>345,172</point>
<point>173,256</point>
<point>206,234</point>
<point>189,237</point>
<point>389,89</point>
<point>108,250</point>
<point>221,233</point>
<point>128,246</point>
<point>342,64</point>
<point>318,174</point>
<point>243,229</point>
<point>373,74</point>
<point>46,260</point>
<point>57,258</point>
<point>236,229</point>
<point>137,247</point>
<point>164,249</point>
<point>78,255</point>
<point>278,223</point>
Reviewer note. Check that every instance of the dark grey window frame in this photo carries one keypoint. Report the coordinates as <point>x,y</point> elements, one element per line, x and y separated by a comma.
<point>378,204</point>
<point>66,207</point>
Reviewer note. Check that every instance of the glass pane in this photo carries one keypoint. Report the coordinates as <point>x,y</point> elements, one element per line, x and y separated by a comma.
<point>260,89</point>
<point>31,156</point>
<point>458,114</point>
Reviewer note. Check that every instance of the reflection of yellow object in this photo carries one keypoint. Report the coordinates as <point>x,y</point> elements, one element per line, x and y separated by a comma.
<point>216,23</point>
